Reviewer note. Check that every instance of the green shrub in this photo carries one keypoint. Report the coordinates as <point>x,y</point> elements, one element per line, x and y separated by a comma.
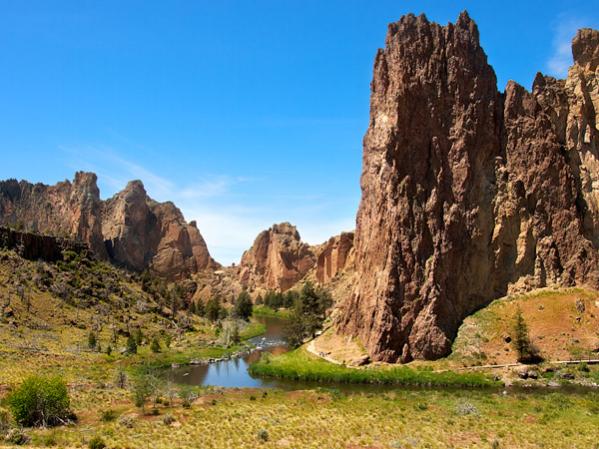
<point>155,346</point>
<point>263,435</point>
<point>92,340</point>
<point>108,415</point>
<point>96,443</point>
<point>40,401</point>
<point>144,386</point>
<point>131,345</point>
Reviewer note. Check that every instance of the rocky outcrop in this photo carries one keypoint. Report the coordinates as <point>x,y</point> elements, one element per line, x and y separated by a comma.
<point>468,194</point>
<point>334,257</point>
<point>66,209</point>
<point>39,247</point>
<point>141,233</point>
<point>277,260</point>
<point>130,229</point>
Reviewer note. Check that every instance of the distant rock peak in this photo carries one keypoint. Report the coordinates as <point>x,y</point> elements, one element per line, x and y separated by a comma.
<point>130,228</point>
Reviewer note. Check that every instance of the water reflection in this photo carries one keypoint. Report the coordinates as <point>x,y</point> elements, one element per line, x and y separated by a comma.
<point>234,372</point>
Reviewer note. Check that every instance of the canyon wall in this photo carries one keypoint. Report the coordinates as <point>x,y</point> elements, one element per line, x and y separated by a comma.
<point>468,194</point>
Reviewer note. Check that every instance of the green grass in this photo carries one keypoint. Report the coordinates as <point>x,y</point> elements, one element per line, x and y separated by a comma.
<point>252,330</point>
<point>302,366</point>
<point>269,312</point>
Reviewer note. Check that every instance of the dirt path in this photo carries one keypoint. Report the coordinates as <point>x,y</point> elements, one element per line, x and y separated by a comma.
<point>311,348</point>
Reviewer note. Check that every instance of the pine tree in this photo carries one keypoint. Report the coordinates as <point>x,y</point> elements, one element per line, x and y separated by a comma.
<point>131,345</point>
<point>92,341</point>
<point>213,309</point>
<point>243,306</point>
<point>527,352</point>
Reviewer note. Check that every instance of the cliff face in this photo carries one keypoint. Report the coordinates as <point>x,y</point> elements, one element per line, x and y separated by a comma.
<point>35,247</point>
<point>130,229</point>
<point>468,194</point>
<point>141,233</point>
<point>334,257</point>
<point>65,209</point>
<point>277,260</point>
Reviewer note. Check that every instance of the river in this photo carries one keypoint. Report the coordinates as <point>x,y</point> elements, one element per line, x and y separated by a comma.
<point>234,372</point>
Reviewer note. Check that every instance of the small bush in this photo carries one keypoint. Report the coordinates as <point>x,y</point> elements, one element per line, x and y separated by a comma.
<point>131,345</point>
<point>187,396</point>
<point>40,401</point>
<point>155,346</point>
<point>108,415</point>
<point>121,379</point>
<point>16,436</point>
<point>263,435</point>
<point>96,443</point>
<point>168,419</point>
<point>466,408</point>
<point>127,421</point>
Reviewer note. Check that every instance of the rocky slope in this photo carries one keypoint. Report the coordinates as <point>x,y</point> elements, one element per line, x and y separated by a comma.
<point>130,229</point>
<point>467,193</point>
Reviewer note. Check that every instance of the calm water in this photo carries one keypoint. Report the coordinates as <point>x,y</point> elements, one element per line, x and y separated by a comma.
<point>234,372</point>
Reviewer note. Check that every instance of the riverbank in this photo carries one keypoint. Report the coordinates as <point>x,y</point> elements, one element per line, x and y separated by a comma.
<point>265,311</point>
<point>299,365</point>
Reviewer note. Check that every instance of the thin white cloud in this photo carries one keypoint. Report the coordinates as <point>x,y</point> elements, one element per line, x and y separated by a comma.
<point>564,30</point>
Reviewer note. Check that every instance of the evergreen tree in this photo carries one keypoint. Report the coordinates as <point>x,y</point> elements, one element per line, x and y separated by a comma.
<point>92,341</point>
<point>243,306</point>
<point>131,345</point>
<point>213,309</point>
<point>139,336</point>
<point>526,350</point>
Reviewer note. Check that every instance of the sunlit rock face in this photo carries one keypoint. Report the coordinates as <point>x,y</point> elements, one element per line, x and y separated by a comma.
<point>277,260</point>
<point>467,193</point>
<point>129,229</point>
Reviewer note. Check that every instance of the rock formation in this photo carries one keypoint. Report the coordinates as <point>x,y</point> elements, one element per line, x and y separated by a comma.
<point>468,194</point>
<point>130,229</point>
<point>39,247</point>
<point>334,257</point>
<point>277,260</point>
<point>141,233</point>
<point>64,210</point>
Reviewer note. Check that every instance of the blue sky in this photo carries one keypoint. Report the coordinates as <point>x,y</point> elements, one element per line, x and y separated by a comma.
<point>244,113</point>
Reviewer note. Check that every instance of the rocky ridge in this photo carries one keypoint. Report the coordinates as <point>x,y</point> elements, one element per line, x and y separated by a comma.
<point>129,229</point>
<point>467,193</point>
